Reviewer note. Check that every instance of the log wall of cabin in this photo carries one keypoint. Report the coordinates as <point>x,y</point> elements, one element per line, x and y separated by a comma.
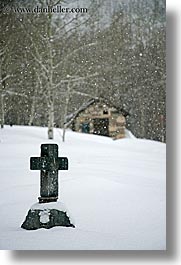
<point>102,111</point>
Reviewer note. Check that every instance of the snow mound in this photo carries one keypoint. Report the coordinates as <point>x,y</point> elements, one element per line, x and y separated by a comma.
<point>115,190</point>
<point>128,134</point>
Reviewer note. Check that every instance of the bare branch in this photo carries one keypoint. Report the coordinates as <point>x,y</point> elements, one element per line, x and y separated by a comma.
<point>39,60</point>
<point>76,79</point>
<point>40,63</point>
<point>82,94</point>
<point>4,79</point>
<point>73,52</point>
<point>11,93</point>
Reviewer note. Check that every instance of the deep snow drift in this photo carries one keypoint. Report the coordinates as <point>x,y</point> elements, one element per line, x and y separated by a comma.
<point>114,191</point>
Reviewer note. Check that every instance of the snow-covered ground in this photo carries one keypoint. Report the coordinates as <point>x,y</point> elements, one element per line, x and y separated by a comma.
<point>114,191</point>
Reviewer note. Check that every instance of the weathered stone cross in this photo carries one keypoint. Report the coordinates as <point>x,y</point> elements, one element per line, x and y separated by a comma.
<point>49,163</point>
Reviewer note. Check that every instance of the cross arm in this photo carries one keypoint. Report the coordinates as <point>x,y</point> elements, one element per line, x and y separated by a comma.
<point>49,164</point>
<point>62,163</point>
<point>38,163</point>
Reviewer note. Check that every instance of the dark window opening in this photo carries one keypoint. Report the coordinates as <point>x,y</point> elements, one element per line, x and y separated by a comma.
<point>105,112</point>
<point>85,127</point>
<point>101,126</point>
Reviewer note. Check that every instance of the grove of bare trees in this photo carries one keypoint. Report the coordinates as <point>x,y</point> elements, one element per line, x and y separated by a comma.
<point>52,63</point>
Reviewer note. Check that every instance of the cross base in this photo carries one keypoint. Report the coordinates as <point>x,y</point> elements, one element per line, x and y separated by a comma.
<point>47,215</point>
<point>47,199</point>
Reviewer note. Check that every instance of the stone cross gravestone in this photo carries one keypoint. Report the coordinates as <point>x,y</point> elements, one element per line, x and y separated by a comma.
<point>49,163</point>
<point>48,212</point>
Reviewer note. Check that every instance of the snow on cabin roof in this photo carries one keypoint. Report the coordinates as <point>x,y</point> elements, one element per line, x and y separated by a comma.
<point>85,105</point>
<point>97,100</point>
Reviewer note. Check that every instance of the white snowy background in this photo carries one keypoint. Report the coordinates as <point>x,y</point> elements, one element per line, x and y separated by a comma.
<point>114,191</point>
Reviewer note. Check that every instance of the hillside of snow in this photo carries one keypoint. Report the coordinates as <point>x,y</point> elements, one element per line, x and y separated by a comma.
<point>113,190</point>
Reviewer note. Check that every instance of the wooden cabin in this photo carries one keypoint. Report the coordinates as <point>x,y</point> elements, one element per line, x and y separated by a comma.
<point>98,117</point>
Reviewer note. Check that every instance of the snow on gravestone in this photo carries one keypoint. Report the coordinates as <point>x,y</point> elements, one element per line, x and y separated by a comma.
<point>48,212</point>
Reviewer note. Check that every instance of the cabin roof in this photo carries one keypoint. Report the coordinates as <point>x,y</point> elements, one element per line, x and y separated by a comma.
<point>110,105</point>
<point>90,102</point>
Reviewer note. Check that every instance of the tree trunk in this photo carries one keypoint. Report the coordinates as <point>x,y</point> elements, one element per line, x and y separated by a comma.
<point>142,122</point>
<point>2,110</point>
<point>50,120</point>
<point>63,136</point>
<point>32,115</point>
<point>66,111</point>
<point>50,80</point>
